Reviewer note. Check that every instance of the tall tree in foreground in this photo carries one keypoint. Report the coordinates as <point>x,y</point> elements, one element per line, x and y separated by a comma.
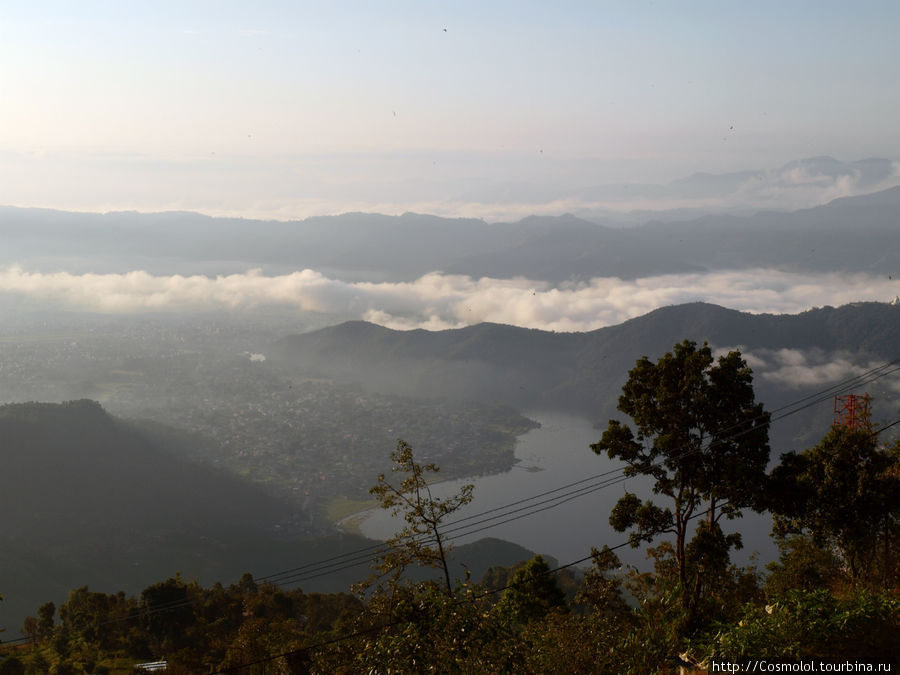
<point>704,440</point>
<point>421,541</point>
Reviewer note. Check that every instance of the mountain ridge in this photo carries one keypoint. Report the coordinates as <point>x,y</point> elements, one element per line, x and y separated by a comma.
<point>851,234</point>
<point>532,368</point>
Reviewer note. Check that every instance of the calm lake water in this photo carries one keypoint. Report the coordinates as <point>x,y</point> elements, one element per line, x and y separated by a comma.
<point>553,456</point>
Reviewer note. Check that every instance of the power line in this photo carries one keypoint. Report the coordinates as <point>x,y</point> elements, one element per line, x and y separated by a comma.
<point>487,593</point>
<point>613,476</point>
<point>794,407</point>
<point>457,531</point>
<point>588,490</point>
<point>356,634</point>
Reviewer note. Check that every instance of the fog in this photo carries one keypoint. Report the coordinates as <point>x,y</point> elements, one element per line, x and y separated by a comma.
<point>437,301</point>
<point>443,183</point>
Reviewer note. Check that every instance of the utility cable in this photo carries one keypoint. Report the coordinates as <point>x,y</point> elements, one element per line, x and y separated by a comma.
<point>614,476</point>
<point>391,624</point>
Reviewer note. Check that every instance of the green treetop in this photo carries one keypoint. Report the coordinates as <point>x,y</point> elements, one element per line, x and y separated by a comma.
<point>703,439</point>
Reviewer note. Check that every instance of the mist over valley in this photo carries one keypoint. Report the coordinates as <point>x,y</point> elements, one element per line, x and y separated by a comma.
<point>468,337</point>
<point>279,362</point>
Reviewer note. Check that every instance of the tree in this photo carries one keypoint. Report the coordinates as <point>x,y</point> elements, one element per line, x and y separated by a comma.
<point>704,440</point>
<point>167,630</point>
<point>30,629</point>
<point>421,541</point>
<point>810,624</point>
<point>46,613</point>
<point>532,592</point>
<point>12,665</point>
<point>845,493</point>
<point>801,564</point>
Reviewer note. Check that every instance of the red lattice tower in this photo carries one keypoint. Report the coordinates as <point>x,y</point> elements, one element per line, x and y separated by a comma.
<point>852,411</point>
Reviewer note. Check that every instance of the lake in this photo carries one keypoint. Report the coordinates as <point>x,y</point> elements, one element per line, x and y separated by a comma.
<point>555,455</point>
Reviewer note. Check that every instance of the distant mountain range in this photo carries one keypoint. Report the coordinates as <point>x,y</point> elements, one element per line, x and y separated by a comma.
<point>797,184</point>
<point>865,174</point>
<point>584,372</point>
<point>851,234</point>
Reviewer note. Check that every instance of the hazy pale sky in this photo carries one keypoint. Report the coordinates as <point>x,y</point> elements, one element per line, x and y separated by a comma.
<point>287,109</point>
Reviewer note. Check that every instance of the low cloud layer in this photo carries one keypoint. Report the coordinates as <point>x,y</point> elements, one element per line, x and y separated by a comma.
<point>818,369</point>
<point>810,368</point>
<point>437,301</point>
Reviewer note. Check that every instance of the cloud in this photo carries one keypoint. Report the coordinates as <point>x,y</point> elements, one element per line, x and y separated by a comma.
<point>812,368</point>
<point>802,185</point>
<point>438,300</point>
<point>753,359</point>
<point>816,368</point>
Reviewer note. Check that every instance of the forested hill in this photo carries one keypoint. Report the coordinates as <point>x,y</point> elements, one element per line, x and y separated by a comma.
<point>83,466</point>
<point>89,499</point>
<point>575,371</point>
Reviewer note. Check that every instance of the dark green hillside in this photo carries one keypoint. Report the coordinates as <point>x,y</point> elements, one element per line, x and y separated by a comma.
<point>89,499</point>
<point>80,468</point>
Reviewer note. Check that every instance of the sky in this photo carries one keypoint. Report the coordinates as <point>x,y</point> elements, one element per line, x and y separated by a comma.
<point>289,109</point>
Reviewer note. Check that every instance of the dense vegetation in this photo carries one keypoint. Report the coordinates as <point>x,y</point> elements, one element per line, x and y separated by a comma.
<point>832,594</point>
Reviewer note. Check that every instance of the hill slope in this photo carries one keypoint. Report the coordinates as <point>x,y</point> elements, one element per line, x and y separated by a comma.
<point>580,372</point>
<point>89,499</point>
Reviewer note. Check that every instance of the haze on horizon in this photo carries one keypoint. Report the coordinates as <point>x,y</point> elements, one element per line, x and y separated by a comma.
<point>285,110</point>
<point>616,112</point>
<point>717,151</point>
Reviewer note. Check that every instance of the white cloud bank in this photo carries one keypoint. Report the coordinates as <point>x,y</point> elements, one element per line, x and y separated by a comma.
<point>795,368</point>
<point>437,301</point>
<point>816,368</point>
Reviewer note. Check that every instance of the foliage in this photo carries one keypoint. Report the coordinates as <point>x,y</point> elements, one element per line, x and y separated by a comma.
<point>12,665</point>
<point>845,493</point>
<point>602,586</point>
<point>421,541</point>
<point>210,628</point>
<point>532,593</point>
<point>703,440</point>
<point>620,620</point>
<point>430,632</point>
<point>812,623</point>
<point>572,643</point>
<point>802,564</point>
